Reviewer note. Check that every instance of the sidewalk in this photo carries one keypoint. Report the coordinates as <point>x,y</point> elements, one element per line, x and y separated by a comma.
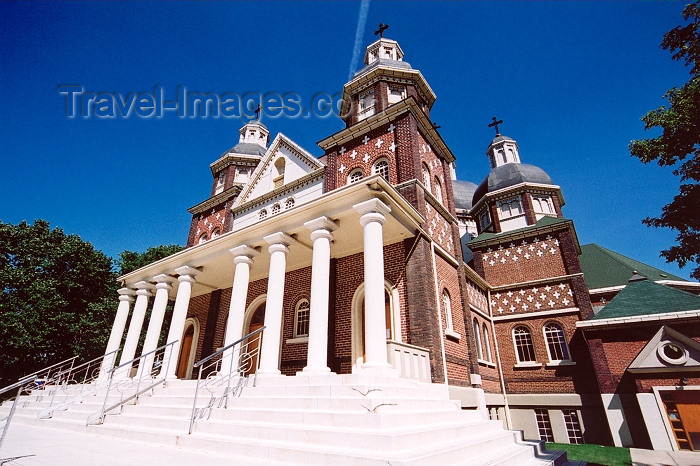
<point>671,458</point>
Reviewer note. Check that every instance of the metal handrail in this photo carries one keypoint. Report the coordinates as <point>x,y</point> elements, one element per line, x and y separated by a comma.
<point>52,366</point>
<point>156,376</point>
<point>20,385</point>
<point>218,379</point>
<point>65,378</point>
<point>231,345</point>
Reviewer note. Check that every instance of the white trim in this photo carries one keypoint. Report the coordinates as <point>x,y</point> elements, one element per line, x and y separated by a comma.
<point>297,340</point>
<point>646,318</point>
<point>477,337</point>
<point>562,362</point>
<point>536,282</point>
<point>527,365</point>
<point>606,289</point>
<point>480,312</point>
<point>553,312</point>
<point>678,283</point>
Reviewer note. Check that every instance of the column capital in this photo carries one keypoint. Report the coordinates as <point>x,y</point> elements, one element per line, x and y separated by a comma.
<point>163,281</point>
<point>321,223</point>
<point>143,288</point>
<point>186,270</point>
<point>370,217</point>
<point>126,294</point>
<point>373,205</point>
<point>279,238</point>
<point>243,253</point>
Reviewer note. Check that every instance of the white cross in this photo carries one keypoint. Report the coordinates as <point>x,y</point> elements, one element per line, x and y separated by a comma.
<point>505,301</point>
<point>525,307</point>
<point>553,251</point>
<point>342,168</point>
<point>392,147</point>
<point>510,294</point>
<point>507,253</point>
<point>566,302</point>
<point>503,260</point>
<point>497,296</point>
<point>218,216</point>
<point>342,150</point>
<point>512,308</point>
<point>515,258</point>
<point>391,127</point>
<point>353,155</point>
<point>366,158</point>
<point>522,292</point>
<point>206,221</point>
<point>527,255</point>
<point>201,216</point>
<point>551,303</point>
<point>562,286</point>
<point>511,245</point>
<point>492,263</point>
<point>365,139</point>
<point>213,211</point>
<point>379,143</point>
<point>198,230</point>
<point>517,299</point>
<point>538,305</point>
<point>500,310</point>
<point>556,294</point>
<point>211,225</point>
<point>423,146</point>
<point>543,296</point>
<point>539,253</point>
<point>519,250</point>
<point>530,298</point>
<point>496,255</point>
<point>547,288</point>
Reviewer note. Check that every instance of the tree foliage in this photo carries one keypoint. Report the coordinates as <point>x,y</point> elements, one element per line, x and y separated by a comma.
<point>129,260</point>
<point>58,297</point>
<point>678,145</point>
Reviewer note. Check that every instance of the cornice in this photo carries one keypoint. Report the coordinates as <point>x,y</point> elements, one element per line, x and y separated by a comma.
<point>230,157</point>
<point>223,196</point>
<point>527,232</point>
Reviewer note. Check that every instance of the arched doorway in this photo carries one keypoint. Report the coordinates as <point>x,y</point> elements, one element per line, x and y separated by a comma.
<point>392,321</point>
<point>187,349</point>
<point>257,320</point>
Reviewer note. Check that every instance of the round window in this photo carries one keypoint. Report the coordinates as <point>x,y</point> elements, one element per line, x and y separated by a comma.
<point>673,353</point>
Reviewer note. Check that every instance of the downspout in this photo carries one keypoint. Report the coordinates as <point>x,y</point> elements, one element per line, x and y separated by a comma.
<point>509,423</point>
<point>437,302</point>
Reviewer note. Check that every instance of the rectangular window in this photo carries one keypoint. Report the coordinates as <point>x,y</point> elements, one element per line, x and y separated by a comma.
<point>573,427</point>
<point>484,219</point>
<point>366,105</point>
<point>544,426</point>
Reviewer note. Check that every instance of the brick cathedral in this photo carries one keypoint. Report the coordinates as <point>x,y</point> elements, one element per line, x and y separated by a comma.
<point>374,259</point>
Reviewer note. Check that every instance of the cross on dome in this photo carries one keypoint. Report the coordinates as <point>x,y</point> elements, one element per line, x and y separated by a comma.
<point>380,32</point>
<point>496,123</point>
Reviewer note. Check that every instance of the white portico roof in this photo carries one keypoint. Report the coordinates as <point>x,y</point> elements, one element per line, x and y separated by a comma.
<point>216,263</point>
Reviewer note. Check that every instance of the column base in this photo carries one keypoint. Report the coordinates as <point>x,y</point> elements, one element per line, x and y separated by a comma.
<point>381,369</point>
<point>269,373</point>
<point>315,371</point>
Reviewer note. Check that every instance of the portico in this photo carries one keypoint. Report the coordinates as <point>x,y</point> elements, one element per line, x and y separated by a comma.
<point>361,218</point>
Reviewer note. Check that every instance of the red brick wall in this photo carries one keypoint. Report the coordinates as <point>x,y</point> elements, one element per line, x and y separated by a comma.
<point>208,221</point>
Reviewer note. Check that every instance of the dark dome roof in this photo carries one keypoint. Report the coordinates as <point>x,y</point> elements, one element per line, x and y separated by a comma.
<point>463,193</point>
<point>249,148</point>
<point>510,174</point>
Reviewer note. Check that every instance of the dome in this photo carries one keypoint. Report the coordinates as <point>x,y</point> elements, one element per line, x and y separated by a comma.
<point>249,148</point>
<point>463,193</point>
<point>510,174</point>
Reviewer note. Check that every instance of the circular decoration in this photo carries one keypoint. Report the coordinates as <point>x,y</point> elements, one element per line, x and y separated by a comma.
<point>672,353</point>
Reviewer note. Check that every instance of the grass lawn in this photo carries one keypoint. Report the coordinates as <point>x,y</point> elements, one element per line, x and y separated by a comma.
<point>595,454</point>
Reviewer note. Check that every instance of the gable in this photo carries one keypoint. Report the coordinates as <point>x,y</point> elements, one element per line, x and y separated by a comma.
<point>283,163</point>
<point>667,351</point>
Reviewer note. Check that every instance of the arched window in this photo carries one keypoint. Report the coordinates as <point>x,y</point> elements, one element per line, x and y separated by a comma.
<point>301,318</point>
<point>438,189</point>
<point>202,239</point>
<point>447,305</point>
<point>477,338</point>
<point>556,342</point>
<point>289,203</point>
<point>487,345</point>
<point>356,175</point>
<point>381,167</point>
<point>216,233</point>
<point>524,349</point>
<point>263,214</point>
<point>278,180</point>
<point>276,208</point>
<point>426,176</point>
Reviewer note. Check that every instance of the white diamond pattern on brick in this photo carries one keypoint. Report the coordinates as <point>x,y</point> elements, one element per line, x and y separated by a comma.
<point>520,252</point>
<point>551,296</point>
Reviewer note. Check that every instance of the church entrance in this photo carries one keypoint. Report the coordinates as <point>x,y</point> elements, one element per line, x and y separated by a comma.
<point>186,352</point>
<point>253,346</point>
<point>683,411</point>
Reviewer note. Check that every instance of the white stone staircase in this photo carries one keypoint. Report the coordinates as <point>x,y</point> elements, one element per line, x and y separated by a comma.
<point>334,419</point>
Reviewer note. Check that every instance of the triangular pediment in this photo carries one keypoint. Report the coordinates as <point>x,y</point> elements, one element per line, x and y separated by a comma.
<point>667,351</point>
<point>283,156</point>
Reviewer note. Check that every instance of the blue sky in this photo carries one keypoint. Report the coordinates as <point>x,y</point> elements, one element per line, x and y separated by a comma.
<point>571,80</point>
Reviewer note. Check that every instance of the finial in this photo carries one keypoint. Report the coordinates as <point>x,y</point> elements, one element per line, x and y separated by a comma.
<point>257,112</point>
<point>435,125</point>
<point>380,32</point>
<point>496,123</point>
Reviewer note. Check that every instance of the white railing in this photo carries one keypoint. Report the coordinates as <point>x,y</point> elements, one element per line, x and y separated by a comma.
<point>223,378</point>
<point>412,362</point>
<point>130,389</point>
<point>26,384</point>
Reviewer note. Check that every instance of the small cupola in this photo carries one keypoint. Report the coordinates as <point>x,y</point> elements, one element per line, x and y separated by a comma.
<point>254,133</point>
<point>385,49</point>
<point>502,149</point>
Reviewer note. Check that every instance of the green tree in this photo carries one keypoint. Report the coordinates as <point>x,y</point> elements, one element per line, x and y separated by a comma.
<point>678,145</point>
<point>58,297</point>
<point>129,260</point>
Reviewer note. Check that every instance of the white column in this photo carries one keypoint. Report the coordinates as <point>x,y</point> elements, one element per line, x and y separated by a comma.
<point>186,276</point>
<point>375,321</point>
<point>317,359</point>
<point>115,337</point>
<point>243,259</point>
<point>270,354</point>
<point>143,292</point>
<point>160,302</point>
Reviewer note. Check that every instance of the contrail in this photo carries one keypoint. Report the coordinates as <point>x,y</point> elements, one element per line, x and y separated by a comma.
<point>361,20</point>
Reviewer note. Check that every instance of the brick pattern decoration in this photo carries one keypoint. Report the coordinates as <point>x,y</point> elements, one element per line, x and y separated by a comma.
<point>477,297</point>
<point>439,229</point>
<point>207,222</point>
<point>543,297</point>
<point>362,152</point>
